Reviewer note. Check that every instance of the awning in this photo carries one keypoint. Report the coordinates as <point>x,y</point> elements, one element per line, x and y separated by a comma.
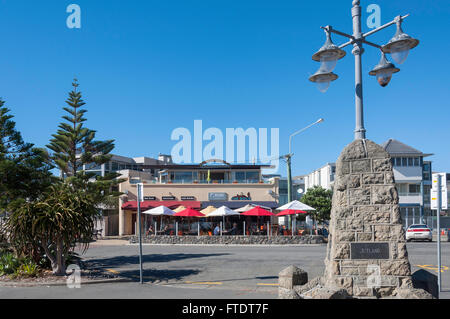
<point>132,205</point>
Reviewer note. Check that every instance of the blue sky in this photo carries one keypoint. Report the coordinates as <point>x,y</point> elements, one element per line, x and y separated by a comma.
<point>148,67</point>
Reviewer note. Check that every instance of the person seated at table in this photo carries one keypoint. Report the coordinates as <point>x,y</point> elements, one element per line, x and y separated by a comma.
<point>234,230</point>
<point>217,230</point>
<point>166,230</point>
<point>150,231</point>
<point>264,229</point>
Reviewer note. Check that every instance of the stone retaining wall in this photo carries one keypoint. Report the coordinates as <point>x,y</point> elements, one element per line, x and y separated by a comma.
<point>230,240</point>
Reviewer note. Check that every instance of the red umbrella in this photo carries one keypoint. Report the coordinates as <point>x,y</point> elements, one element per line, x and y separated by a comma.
<point>291,212</point>
<point>189,212</point>
<point>257,211</point>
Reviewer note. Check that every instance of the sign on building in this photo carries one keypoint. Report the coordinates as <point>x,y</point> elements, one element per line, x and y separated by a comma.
<point>217,197</point>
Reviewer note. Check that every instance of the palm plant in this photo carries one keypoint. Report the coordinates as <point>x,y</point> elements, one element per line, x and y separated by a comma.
<point>66,215</point>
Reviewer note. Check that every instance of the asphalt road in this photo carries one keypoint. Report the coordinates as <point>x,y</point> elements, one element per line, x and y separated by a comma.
<point>211,272</point>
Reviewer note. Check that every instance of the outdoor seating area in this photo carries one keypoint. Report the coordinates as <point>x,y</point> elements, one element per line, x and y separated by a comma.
<point>249,220</point>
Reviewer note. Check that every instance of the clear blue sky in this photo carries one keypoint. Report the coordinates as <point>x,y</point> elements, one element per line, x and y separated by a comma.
<point>148,67</point>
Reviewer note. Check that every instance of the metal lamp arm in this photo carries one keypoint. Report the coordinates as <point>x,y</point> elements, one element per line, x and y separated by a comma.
<point>300,131</point>
<point>365,35</point>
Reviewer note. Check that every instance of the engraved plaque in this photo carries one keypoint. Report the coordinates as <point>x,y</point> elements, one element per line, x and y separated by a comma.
<point>369,250</point>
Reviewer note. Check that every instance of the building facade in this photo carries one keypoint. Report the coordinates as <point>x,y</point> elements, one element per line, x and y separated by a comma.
<point>412,175</point>
<point>211,183</point>
<point>323,177</point>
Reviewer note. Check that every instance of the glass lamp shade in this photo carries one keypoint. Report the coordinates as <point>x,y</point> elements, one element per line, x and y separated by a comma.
<point>323,79</point>
<point>400,45</point>
<point>384,70</point>
<point>328,61</point>
<point>399,52</point>
<point>323,86</point>
<point>384,77</point>
<point>328,54</point>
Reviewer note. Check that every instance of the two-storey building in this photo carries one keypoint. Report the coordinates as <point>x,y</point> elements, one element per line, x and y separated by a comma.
<point>211,183</point>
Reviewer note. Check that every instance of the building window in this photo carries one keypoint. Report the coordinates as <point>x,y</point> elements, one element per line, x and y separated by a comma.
<point>414,188</point>
<point>402,189</point>
<point>240,176</point>
<point>183,177</point>
<point>252,176</point>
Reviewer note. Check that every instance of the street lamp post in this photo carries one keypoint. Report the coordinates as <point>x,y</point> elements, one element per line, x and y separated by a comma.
<point>398,47</point>
<point>288,158</point>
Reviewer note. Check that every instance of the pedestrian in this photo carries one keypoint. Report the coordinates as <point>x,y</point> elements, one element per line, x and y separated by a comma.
<point>217,230</point>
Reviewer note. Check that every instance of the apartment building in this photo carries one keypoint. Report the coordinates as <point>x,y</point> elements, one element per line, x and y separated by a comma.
<point>412,175</point>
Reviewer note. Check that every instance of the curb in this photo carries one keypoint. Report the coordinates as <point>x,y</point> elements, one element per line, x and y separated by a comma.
<point>232,245</point>
<point>89,282</point>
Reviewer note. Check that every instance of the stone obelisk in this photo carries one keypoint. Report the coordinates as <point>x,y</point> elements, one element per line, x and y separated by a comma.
<point>366,252</point>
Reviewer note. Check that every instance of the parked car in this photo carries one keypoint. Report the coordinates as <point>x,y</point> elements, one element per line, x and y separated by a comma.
<point>419,232</point>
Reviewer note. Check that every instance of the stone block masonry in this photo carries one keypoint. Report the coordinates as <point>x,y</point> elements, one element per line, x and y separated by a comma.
<point>366,253</point>
<point>230,240</point>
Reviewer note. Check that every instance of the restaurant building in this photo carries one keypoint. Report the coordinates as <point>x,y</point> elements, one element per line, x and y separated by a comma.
<point>211,183</point>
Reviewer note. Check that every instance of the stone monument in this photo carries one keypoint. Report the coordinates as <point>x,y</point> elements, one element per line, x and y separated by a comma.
<point>366,253</point>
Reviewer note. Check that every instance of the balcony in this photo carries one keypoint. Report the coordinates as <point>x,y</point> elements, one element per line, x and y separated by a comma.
<point>410,198</point>
<point>201,182</point>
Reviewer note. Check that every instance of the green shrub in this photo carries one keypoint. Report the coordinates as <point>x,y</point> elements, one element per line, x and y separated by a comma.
<point>8,264</point>
<point>27,269</point>
<point>17,267</point>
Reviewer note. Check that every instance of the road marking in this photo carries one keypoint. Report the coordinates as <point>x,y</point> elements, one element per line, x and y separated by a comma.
<point>433,267</point>
<point>267,284</point>
<point>204,282</point>
<point>113,271</point>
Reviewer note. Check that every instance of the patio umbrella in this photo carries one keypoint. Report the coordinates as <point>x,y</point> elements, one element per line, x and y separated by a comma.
<point>160,211</point>
<point>291,212</point>
<point>179,209</point>
<point>223,211</point>
<point>189,212</point>
<point>296,205</point>
<point>208,210</point>
<point>250,206</point>
<point>257,211</point>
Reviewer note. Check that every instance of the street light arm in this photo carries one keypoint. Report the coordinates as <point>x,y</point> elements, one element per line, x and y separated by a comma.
<point>385,25</point>
<point>300,131</point>
<point>362,40</point>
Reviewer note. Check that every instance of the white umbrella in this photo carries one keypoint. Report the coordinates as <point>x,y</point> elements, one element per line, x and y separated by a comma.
<point>250,206</point>
<point>295,205</point>
<point>223,211</point>
<point>160,211</point>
